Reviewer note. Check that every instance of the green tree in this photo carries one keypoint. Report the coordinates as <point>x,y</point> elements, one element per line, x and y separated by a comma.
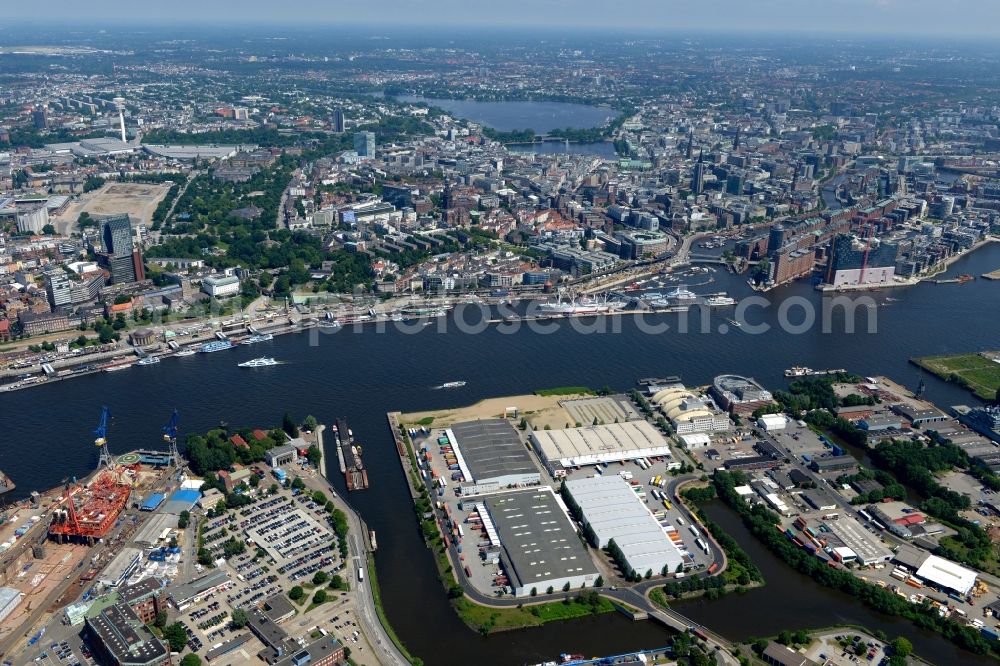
<point>161,619</point>
<point>314,455</point>
<point>296,593</point>
<point>310,423</point>
<point>238,619</point>
<point>298,484</point>
<point>336,582</point>
<point>320,577</point>
<point>288,425</point>
<point>176,636</point>
<point>599,582</point>
<point>183,519</point>
<point>191,659</point>
<point>319,597</point>
<point>901,647</point>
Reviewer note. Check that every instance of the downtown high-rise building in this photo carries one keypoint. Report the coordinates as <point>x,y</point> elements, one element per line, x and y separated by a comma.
<point>122,257</point>
<point>339,122</point>
<point>364,144</point>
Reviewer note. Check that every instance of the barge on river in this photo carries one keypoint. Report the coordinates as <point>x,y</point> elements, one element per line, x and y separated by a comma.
<point>355,474</point>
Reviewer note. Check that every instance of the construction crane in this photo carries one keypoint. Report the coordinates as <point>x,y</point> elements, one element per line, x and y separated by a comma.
<point>104,460</point>
<point>170,436</point>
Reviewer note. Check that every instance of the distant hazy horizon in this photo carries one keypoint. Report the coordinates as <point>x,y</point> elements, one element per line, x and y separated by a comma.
<point>980,18</point>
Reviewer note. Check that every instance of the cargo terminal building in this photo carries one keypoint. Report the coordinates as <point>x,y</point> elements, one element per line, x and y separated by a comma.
<point>539,546</point>
<point>490,456</point>
<point>592,445</point>
<point>614,512</point>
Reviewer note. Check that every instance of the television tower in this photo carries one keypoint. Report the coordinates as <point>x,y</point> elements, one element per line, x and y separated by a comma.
<point>120,105</point>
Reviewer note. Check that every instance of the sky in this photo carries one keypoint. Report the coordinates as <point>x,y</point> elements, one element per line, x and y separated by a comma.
<point>906,17</point>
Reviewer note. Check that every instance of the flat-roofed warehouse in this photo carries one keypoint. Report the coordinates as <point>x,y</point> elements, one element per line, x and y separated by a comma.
<point>600,443</point>
<point>539,547</point>
<point>613,510</point>
<point>490,451</point>
<point>945,573</point>
<point>866,546</point>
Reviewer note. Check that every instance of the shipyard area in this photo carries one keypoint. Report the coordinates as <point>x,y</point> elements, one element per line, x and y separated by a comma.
<point>143,561</point>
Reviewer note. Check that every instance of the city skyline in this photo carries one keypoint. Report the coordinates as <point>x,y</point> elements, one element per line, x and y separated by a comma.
<point>860,17</point>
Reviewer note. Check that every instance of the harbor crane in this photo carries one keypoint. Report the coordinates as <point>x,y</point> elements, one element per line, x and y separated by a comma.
<point>170,436</point>
<point>104,460</point>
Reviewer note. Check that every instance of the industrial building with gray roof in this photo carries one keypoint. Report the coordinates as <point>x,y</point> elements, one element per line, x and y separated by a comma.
<point>490,451</point>
<point>119,638</point>
<point>540,547</point>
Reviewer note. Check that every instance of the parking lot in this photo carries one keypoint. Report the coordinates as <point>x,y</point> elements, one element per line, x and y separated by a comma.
<point>846,649</point>
<point>295,534</point>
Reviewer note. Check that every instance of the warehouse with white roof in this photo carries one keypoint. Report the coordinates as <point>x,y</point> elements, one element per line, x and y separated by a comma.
<point>947,574</point>
<point>614,512</point>
<point>596,444</point>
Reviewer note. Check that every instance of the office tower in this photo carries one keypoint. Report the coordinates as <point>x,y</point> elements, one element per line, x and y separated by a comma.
<point>775,238</point>
<point>123,257</point>
<point>40,117</point>
<point>734,183</point>
<point>338,121</point>
<point>364,144</point>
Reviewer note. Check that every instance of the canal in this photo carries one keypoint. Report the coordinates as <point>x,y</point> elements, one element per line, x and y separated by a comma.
<point>790,600</point>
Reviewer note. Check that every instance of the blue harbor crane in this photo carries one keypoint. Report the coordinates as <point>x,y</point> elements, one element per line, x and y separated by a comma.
<point>104,460</point>
<point>170,436</point>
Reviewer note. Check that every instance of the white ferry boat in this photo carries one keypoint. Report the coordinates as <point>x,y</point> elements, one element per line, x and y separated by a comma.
<point>262,362</point>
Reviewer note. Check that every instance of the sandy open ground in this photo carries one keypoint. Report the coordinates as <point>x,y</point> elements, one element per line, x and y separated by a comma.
<point>139,200</point>
<point>540,411</point>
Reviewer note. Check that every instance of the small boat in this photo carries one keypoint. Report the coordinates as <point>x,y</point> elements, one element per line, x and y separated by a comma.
<point>798,371</point>
<point>448,385</point>
<point>216,345</point>
<point>148,360</point>
<point>733,322</point>
<point>681,294</point>
<point>262,362</point>
<point>187,351</point>
<point>962,279</point>
<point>371,536</point>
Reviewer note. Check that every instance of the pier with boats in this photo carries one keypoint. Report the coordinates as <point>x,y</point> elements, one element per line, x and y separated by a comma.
<point>802,371</point>
<point>349,456</point>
